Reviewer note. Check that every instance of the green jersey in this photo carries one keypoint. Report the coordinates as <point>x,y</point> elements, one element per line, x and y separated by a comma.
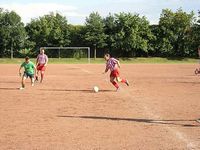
<point>29,67</point>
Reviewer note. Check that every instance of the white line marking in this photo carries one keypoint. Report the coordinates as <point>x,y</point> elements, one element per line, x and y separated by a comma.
<point>86,71</point>
<point>89,72</point>
<point>181,136</point>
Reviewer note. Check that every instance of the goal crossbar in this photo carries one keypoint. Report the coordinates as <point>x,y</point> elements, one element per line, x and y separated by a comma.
<point>59,48</point>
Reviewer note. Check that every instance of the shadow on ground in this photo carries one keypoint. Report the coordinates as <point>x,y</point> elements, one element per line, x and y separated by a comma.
<point>9,89</point>
<point>10,81</point>
<point>178,122</point>
<point>76,90</point>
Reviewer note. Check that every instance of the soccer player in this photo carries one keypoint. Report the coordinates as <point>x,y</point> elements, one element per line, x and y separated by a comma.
<point>113,65</point>
<point>29,71</point>
<point>41,63</point>
<point>197,71</point>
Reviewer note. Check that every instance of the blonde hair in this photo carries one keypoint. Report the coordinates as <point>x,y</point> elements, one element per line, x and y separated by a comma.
<point>42,48</point>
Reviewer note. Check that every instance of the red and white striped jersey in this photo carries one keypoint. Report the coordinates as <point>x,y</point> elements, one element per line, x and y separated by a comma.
<point>111,64</point>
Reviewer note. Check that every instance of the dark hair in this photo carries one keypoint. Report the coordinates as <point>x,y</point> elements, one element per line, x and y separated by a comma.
<point>27,58</point>
<point>199,47</point>
<point>107,55</point>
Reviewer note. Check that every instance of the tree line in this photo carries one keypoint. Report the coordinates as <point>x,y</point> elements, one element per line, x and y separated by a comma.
<point>123,35</point>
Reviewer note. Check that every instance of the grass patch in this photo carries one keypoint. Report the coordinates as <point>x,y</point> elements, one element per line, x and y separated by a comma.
<point>152,60</point>
<point>159,60</point>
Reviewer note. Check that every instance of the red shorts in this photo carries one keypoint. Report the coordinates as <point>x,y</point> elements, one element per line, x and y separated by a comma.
<point>114,73</point>
<point>41,67</point>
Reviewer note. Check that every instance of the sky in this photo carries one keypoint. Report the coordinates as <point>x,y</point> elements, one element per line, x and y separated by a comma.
<point>77,10</point>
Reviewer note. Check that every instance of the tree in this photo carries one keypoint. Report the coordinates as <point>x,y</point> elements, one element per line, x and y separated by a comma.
<point>77,35</point>
<point>94,31</point>
<point>173,32</point>
<point>49,30</point>
<point>128,34</point>
<point>194,37</point>
<point>12,33</point>
<point>110,29</point>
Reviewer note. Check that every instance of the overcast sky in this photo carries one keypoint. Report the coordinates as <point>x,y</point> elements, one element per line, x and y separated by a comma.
<point>77,10</point>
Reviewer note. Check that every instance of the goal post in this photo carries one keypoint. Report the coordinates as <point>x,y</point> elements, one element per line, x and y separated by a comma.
<point>61,50</point>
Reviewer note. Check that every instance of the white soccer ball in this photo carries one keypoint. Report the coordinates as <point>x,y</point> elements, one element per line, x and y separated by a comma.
<point>96,89</point>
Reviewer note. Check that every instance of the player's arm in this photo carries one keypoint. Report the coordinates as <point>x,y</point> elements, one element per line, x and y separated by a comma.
<point>20,70</point>
<point>118,63</point>
<point>106,70</point>
<point>35,70</point>
<point>47,59</point>
<point>37,60</point>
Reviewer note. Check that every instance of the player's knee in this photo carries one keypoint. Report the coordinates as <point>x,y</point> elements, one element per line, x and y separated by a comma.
<point>118,80</point>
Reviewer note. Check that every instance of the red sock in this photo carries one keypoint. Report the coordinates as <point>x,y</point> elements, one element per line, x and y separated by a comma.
<point>123,81</point>
<point>115,84</point>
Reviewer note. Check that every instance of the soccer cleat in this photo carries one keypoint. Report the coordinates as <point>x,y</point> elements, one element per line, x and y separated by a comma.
<point>32,84</point>
<point>21,88</point>
<point>127,83</point>
<point>198,120</point>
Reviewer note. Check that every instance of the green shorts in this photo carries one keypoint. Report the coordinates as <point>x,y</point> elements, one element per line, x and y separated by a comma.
<point>28,75</point>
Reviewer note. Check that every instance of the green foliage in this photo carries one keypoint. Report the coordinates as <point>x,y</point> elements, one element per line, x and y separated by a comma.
<point>173,32</point>
<point>194,37</point>
<point>77,33</point>
<point>49,30</point>
<point>128,34</point>
<point>94,31</point>
<point>122,34</point>
<point>12,33</point>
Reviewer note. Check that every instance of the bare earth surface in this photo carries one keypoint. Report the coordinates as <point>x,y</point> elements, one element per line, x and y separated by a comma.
<point>157,111</point>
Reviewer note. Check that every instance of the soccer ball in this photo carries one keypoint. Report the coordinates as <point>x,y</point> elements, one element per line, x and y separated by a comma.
<point>96,89</point>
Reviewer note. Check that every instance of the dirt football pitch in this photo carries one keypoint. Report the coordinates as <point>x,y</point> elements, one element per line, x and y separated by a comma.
<point>158,111</point>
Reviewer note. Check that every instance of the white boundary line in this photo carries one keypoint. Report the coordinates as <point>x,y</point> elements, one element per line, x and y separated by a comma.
<point>179,135</point>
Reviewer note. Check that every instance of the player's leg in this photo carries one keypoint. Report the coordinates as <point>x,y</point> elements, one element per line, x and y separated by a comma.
<point>37,72</point>
<point>36,77</point>
<point>122,80</point>
<point>32,80</point>
<point>42,76</point>
<point>196,71</point>
<point>117,75</point>
<point>42,70</point>
<point>112,80</point>
<point>23,81</point>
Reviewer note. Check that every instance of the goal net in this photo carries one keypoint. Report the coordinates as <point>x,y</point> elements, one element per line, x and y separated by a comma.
<point>68,52</point>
